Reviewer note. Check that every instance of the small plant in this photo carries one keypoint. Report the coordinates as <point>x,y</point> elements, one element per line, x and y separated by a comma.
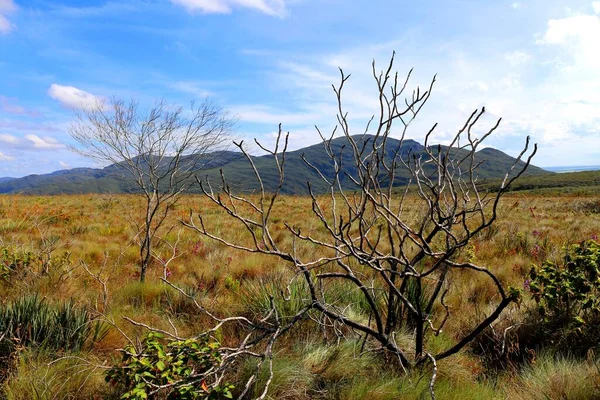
<point>31,321</point>
<point>181,369</point>
<point>13,262</point>
<point>232,284</point>
<point>259,296</point>
<point>571,290</point>
<point>568,295</point>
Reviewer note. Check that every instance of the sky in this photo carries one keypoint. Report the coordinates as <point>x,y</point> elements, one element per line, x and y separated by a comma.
<point>535,63</point>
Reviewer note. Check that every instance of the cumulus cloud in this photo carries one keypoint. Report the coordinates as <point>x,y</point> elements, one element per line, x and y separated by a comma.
<point>575,76</point>
<point>578,36</point>
<point>578,27</point>
<point>72,97</point>
<point>6,7</point>
<point>44,143</point>
<point>269,7</point>
<point>596,7</point>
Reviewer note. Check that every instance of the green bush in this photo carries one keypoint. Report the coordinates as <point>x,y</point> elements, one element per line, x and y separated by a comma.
<point>13,263</point>
<point>568,295</point>
<point>178,368</point>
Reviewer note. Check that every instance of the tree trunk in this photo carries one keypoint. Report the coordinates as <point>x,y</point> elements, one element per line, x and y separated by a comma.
<point>145,255</point>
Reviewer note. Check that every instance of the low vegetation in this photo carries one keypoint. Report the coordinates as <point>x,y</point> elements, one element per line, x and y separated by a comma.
<point>99,281</point>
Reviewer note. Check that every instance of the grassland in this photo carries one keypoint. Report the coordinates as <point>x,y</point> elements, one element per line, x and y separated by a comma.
<point>80,250</point>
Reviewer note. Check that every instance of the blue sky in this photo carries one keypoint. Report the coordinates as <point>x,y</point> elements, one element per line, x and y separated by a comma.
<point>534,62</point>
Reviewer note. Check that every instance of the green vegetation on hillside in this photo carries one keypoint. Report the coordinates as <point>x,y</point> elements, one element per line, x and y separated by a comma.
<point>241,177</point>
<point>585,182</point>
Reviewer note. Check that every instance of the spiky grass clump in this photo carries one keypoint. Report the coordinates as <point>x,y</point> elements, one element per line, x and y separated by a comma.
<point>31,321</point>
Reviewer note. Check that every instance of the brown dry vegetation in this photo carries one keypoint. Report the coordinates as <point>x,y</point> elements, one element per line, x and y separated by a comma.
<point>67,233</point>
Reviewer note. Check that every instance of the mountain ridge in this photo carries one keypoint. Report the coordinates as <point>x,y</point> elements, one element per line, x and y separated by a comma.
<point>240,176</point>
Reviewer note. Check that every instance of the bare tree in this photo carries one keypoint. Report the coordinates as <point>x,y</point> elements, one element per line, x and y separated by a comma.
<point>158,152</point>
<point>398,247</point>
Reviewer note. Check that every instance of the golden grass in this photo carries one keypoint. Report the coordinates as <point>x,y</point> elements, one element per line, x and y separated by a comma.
<point>97,230</point>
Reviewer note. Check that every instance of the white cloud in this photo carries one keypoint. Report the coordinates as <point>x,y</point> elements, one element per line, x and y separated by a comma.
<point>596,7</point>
<point>510,82</point>
<point>574,83</point>
<point>516,5</point>
<point>578,27</point>
<point>517,58</point>
<point>578,37</point>
<point>269,7</point>
<point>10,106</point>
<point>64,165</point>
<point>6,7</point>
<point>4,157</point>
<point>5,25</point>
<point>44,143</point>
<point>73,97</point>
<point>190,87</point>
<point>9,139</point>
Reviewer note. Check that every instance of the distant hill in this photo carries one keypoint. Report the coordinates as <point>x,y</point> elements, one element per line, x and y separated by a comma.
<point>581,182</point>
<point>240,176</point>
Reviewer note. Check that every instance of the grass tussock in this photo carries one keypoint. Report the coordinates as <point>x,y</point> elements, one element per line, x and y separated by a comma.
<point>40,376</point>
<point>557,378</point>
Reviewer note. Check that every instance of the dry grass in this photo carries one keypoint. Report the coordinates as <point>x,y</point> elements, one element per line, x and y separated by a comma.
<point>97,230</point>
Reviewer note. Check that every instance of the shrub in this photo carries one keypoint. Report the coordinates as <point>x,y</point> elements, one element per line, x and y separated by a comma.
<point>13,263</point>
<point>568,295</point>
<point>181,369</point>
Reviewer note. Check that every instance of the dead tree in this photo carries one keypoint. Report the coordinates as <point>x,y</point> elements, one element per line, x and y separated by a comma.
<point>397,245</point>
<point>157,153</point>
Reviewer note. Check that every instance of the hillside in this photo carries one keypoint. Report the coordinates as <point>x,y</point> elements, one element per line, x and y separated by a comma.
<point>582,182</point>
<point>241,177</point>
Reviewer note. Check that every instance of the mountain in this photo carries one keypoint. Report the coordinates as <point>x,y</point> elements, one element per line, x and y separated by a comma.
<point>240,175</point>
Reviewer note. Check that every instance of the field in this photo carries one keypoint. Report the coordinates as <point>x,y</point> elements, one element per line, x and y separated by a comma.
<point>80,251</point>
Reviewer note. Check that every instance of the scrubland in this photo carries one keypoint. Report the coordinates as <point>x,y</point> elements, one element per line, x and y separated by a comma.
<point>77,254</point>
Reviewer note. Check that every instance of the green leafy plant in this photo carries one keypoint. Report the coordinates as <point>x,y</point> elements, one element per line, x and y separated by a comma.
<point>181,369</point>
<point>12,262</point>
<point>569,294</point>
